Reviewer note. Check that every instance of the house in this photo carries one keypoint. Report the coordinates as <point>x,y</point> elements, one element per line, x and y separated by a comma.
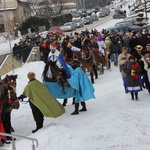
<point>69,5</point>
<point>13,12</point>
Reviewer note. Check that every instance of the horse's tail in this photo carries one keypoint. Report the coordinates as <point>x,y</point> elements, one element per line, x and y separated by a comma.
<point>61,81</point>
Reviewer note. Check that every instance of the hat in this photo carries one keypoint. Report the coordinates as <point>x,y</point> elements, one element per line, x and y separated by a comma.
<point>107,38</point>
<point>124,48</point>
<point>53,45</point>
<point>146,52</point>
<point>99,38</point>
<point>148,45</point>
<point>127,34</point>
<point>139,47</point>
<point>31,75</point>
<point>131,57</point>
<point>69,45</point>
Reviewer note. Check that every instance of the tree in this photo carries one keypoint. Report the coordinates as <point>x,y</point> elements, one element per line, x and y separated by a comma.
<point>46,8</point>
<point>33,21</point>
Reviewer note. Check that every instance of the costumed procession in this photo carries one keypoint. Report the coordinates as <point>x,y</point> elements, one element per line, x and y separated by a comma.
<point>72,65</point>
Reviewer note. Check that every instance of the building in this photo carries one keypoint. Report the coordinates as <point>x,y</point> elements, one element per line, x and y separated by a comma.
<point>87,4</point>
<point>12,12</point>
<point>69,5</point>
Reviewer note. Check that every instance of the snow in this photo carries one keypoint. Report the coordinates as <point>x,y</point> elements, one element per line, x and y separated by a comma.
<point>113,121</point>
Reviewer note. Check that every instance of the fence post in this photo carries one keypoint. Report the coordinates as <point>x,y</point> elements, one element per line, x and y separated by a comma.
<point>13,144</point>
<point>33,146</point>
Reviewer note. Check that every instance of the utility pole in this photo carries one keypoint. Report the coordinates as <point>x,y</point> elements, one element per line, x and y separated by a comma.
<point>145,5</point>
<point>8,34</point>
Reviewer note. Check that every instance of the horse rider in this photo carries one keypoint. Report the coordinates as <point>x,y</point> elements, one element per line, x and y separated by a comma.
<point>53,54</point>
<point>102,46</point>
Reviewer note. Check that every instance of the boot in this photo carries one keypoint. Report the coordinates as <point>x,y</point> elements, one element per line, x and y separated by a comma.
<point>1,144</point>
<point>39,125</point>
<point>132,96</point>
<point>73,102</point>
<point>83,107</point>
<point>136,96</point>
<point>125,88</point>
<point>76,111</point>
<point>64,102</point>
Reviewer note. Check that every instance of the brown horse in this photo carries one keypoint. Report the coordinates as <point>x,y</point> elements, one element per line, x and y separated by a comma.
<point>8,88</point>
<point>8,100</point>
<point>88,61</point>
<point>99,59</point>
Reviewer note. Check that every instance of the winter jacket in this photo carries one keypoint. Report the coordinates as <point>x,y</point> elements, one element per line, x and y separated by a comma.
<point>122,59</point>
<point>130,81</point>
<point>115,48</point>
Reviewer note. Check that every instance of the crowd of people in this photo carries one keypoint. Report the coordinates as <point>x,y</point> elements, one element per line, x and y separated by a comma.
<point>110,44</point>
<point>129,50</point>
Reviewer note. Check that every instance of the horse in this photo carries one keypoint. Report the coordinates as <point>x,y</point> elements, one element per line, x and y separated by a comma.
<point>88,61</point>
<point>8,100</point>
<point>99,59</point>
<point>52,73</point>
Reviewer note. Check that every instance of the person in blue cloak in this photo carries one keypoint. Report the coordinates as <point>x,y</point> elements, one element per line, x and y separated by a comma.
<point>77,70</point>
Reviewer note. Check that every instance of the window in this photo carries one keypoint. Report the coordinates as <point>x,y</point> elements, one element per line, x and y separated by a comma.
<point>2,28</point>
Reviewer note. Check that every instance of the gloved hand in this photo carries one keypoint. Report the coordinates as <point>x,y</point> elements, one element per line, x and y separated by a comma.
<point>20,98</point>
<point>132,72</point>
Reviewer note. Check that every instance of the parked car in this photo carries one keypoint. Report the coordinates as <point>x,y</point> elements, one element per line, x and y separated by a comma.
<point>55,30</point>
<point>86,21</point>
<point>90,19</point>
<point>119,14</point>
<point>78,23</point>
<point>106,11</point>
<point>95,18</point>
<point>122,27</point>
<point>102,14</point>
<point>69,26</point>
<point>128,25</point>
<point>116,29</point>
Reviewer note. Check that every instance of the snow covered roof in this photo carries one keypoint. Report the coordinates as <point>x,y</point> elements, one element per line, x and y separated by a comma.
<point>8,8</point>
<point>23,0</point>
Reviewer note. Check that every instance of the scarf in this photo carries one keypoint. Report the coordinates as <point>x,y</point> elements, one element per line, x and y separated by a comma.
<point>145,63</point>
<point>135,67</point>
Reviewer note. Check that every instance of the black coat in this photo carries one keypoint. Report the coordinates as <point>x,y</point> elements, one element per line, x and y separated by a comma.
<point>130,81</point>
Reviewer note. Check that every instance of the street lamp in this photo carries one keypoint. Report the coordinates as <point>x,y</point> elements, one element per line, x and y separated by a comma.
<point>8,34</point>
<point>145,9</point>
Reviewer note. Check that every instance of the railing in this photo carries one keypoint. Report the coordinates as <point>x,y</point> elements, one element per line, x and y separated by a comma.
<point>35,142</point>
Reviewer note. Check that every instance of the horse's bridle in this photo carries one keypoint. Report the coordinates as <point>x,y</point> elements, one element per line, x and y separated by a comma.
<point>83,54</point>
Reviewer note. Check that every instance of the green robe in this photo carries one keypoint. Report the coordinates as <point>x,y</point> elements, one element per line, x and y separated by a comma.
<point>42,98</point>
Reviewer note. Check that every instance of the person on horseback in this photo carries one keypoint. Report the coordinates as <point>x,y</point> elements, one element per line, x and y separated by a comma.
<point>102,46</point>
<point>56,56</point>
<point>53,54</point>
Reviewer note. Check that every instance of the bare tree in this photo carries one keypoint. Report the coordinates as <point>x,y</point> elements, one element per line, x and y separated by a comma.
<point>46,8</point>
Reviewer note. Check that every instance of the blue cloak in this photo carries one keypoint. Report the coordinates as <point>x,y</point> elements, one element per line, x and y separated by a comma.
<point>80,86</point>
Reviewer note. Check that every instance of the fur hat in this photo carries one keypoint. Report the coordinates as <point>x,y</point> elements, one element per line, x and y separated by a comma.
<point>31,75</point>
<point>53,45</point>
<point>131,57</point>
<point>139,47</point>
